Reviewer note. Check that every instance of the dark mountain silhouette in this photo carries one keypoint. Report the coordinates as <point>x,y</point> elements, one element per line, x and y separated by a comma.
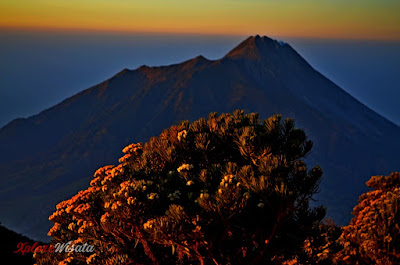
<point>9,241</point>
<point>50,156</point>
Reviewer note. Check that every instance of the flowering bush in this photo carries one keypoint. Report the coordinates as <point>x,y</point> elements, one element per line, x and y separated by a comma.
<point>229,189</point>
<point>373,235</point>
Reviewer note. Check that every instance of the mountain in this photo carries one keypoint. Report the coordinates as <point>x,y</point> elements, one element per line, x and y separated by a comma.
<point>50,156</point>
<point>9,241</point>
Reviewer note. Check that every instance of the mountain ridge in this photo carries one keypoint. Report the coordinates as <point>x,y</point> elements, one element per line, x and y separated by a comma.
<point>69,141</point>
<point>250,40</point>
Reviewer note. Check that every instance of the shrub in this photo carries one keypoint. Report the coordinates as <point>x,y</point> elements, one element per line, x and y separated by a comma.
<point>229,189</point>
<point>372,237</point>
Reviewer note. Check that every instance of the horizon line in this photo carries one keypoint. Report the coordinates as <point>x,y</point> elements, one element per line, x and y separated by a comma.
<point>185,33</point>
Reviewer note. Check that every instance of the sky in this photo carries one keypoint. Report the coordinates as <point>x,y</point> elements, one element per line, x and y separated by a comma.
<point>40,69</point>
<point>356,19</point>
<point>52,49</point>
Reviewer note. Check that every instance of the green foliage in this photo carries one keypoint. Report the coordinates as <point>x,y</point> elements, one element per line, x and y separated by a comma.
<point>229,189</point>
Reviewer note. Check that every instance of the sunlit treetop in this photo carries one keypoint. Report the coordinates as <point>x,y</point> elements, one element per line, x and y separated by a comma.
<point>228,189</point>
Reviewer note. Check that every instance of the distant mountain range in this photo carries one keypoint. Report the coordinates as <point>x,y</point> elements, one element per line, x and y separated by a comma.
<point>50,156</point>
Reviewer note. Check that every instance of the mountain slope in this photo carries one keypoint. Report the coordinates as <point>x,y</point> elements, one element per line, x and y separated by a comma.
<point>50,156</point>
<point>9,243</point>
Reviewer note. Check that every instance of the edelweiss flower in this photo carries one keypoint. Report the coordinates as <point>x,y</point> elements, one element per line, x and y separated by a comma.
<point>182,135</point>
<point>132,148</point>
<point>125,158</point>
<point>226,180</point>
<point>66,261</point>
<point>152,196</point>
<point>55,228</point>
<point>204,195</point>
<point>186,167</point>
<point>102,170</point>
<point>131,200</point>
<point>114,206</point>
<point>190,182</point>
<point>104,217</point>
<point>91,258</point>
<point>148,224</point>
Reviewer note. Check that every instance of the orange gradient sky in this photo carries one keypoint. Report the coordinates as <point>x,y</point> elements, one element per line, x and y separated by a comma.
<point>356,19</point>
